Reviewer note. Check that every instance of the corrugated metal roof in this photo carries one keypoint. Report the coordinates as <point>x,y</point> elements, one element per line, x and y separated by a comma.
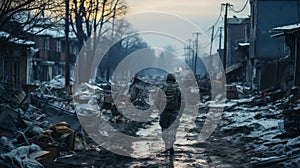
<point>283,30</point>
<point>287,27</point>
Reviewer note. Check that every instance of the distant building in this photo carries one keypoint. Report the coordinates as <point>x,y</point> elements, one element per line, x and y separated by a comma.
<point>15,56</point>
<point>238,30</point>
<point>265,52</point>
<point>49,61</point>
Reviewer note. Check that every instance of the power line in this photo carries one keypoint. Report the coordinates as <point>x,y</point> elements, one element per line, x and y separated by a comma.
<point>217,21</point>
<point>217,34</point>
<point>241,10</point>
<point>220,14</point>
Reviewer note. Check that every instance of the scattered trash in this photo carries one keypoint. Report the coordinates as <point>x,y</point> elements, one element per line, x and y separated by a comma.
<point>292,122</point>
<point>57,82</point>
<point>60,133</point>
<point>232,92</point>
<point>42,126</point>
<point>20,157</point>
<point>268,124</point>
<point>28,133</point>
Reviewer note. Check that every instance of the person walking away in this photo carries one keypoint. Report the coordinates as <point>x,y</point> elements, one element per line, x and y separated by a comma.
<point>169,118</point>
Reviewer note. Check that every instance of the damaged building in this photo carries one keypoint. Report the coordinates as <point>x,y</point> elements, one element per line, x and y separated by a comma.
<point>266,54</point>
<point>49,61</point>
<point>237,53</point>
<point>15,56</point>
<point>292,37</point>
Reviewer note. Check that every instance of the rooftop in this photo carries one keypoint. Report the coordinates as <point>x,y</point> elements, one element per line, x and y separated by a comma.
<point>5,35</point>
<point>287,27</point>
<point>282,30</point>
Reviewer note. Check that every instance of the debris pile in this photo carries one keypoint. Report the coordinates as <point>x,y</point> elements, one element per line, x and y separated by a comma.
<point>38,127</point>
<point>42,126</point>
<point>23,156</point>
<point>260,123</point>
<point>10,95</point>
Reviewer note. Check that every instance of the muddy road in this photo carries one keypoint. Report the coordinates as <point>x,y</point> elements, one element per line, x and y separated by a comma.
<point>189,151</point>
<point>247,135</point>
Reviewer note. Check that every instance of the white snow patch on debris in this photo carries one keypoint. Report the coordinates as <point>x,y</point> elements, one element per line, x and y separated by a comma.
<point>57,82</point>
<point>255,121</point>
<point>268,124</point>
<point>20,157</point>
<point>4,34</point>
<point>294,142</point>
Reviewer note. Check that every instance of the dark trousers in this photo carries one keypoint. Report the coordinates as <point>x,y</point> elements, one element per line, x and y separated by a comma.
<point>169,123</point>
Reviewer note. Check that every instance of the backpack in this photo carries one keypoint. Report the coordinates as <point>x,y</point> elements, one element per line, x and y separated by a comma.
<point>173,96</point>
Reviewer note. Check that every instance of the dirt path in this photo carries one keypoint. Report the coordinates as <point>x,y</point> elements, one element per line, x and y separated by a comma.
<point>230,145</point>
<point>189,152</point>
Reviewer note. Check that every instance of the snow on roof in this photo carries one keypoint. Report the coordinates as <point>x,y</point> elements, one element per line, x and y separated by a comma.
<point>244,44</point>
<point>49,32</point>
<point>22,42</point>
<point>56,33</point>
<point>287,27</point>
<point>15,40</point>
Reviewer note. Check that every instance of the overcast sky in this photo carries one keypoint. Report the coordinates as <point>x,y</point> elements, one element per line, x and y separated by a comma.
<point>202,12</point>
<point>189,16</point>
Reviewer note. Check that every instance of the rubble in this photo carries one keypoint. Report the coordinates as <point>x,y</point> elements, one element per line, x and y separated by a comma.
<point>57,82</point>
<point>20,157</point>
<point>139,92</point>
<point>292,122</point>
<point>254,123</point>
<point>60,134</point>
<point>44,121</point>
<point>37,126</point>
<point>10,95</point>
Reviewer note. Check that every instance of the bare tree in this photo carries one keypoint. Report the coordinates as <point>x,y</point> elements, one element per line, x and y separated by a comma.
<point>88,17</point>
<point>126,41</point>
<point>18,17</point>
<point>93,18</point>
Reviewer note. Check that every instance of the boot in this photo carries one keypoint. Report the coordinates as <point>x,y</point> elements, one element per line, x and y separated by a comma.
<point>172,151</point>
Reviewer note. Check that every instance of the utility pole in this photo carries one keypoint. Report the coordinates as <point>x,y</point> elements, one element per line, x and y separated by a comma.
<point>190,52</point>
<point>67,50</point>
<point>186,50</point>
<point>225,35</point>
<point>196,55</point>
<point>211,39</point>
<point>220,38</point>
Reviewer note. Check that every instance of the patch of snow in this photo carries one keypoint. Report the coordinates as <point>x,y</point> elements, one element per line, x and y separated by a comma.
<point>56,33</point>
<point>244,44</point>
<point>57,82</point>
<point>288,27</point>
<point>15,40</point>
<point>268,124</point>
